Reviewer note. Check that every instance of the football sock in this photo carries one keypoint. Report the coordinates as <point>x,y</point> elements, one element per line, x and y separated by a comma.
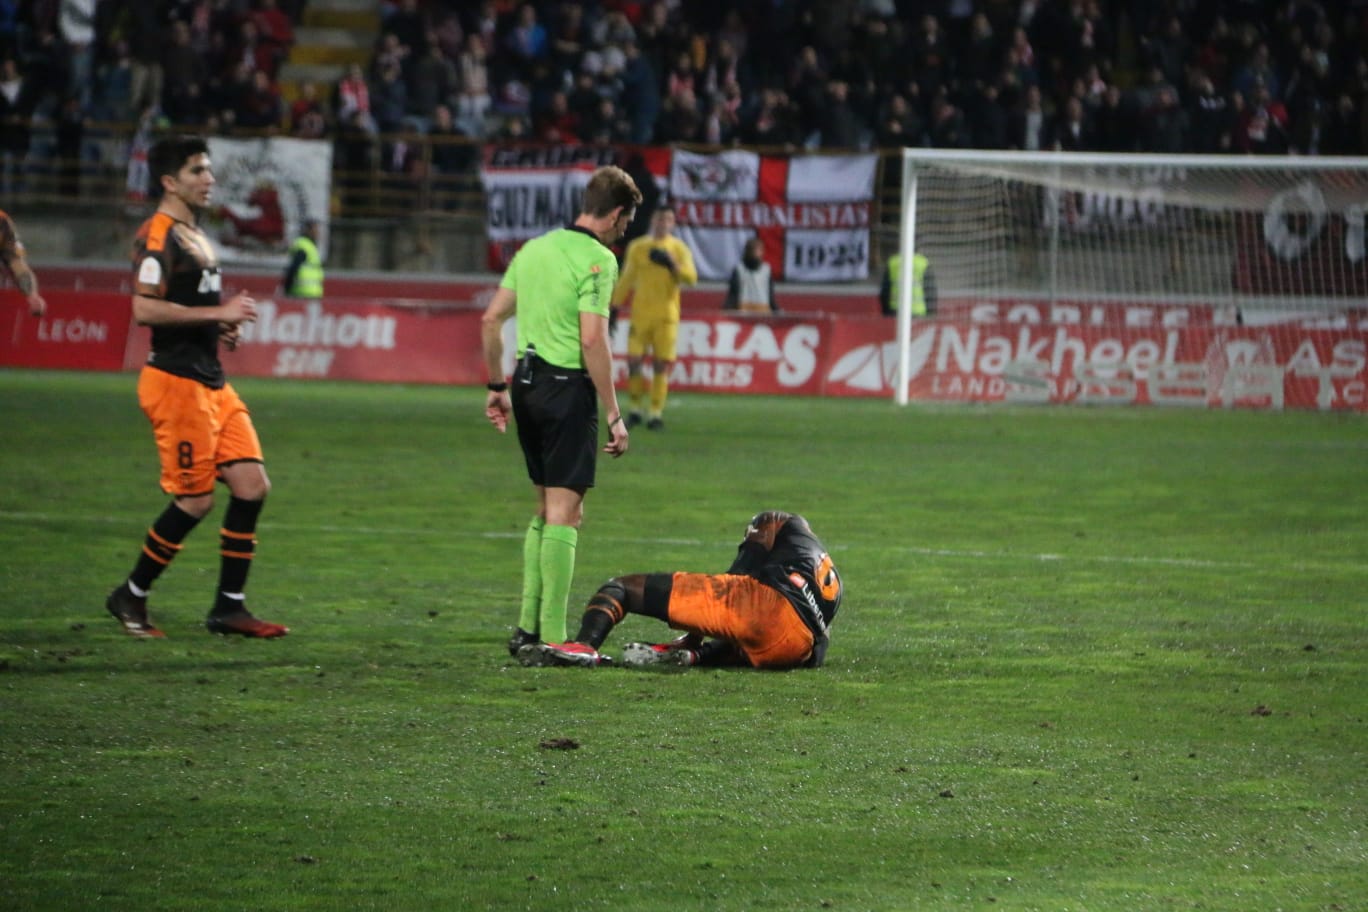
<point>557,573</point>
<point>237,546</point>
<point>530,612</point>
<point>660,387</point>
<point>162,544</point>
<point>636,389</point>
<point>600,617</point>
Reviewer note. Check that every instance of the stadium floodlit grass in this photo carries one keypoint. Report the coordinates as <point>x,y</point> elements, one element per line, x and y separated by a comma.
<point>1089,659</point>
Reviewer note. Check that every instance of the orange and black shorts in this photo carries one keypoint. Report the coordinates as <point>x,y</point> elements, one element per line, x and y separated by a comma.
<point>198,429</point>
<point>743,610</point>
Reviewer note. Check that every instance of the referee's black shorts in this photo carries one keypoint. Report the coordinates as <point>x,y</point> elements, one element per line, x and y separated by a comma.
<point>556,410</point>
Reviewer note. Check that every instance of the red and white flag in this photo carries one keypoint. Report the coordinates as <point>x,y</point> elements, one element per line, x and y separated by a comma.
<point>812,212</point>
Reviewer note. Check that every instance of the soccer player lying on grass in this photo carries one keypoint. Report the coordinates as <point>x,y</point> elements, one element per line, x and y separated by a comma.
<point>773,607</point>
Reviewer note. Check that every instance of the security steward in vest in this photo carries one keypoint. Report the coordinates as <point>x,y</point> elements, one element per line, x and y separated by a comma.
<point>923,286</point>
<point>304,273</point>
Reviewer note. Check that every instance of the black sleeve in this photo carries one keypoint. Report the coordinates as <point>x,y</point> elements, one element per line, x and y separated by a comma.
<point>296,260</point>
<point>733,299</point>
<point>886,294</point>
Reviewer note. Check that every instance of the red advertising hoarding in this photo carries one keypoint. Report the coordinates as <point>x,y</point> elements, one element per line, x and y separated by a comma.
<point>977,351</point>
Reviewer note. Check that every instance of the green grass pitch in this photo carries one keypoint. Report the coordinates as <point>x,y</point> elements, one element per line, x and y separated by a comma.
<point>1088,659</point>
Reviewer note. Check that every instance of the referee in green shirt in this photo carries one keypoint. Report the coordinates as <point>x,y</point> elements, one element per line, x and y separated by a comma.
<point>560,286</point>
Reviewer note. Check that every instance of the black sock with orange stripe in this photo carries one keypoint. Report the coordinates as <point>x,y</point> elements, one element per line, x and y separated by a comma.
<point>237,546</point>
<point>604,612</point>
<point>162,544</point>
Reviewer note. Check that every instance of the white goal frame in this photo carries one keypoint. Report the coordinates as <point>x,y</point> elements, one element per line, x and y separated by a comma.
<point>1051,170</point>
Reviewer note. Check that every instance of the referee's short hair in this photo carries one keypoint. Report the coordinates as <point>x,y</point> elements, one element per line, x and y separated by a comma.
<point>609,188</point>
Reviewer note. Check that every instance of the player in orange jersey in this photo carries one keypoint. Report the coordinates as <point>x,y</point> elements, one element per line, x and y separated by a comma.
<point>203,430</point>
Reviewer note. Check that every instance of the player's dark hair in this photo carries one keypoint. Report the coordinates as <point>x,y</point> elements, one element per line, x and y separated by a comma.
<point>169,155</point>
<point>609,188</point>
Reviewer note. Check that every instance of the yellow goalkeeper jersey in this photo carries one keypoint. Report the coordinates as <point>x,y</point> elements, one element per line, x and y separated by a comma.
<point>653,288</point>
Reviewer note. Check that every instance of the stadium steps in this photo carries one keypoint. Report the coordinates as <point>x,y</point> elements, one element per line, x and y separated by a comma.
<point>332,35</point>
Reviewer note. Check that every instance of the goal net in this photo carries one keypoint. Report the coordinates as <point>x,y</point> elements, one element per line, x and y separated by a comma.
<point>1106,240</point>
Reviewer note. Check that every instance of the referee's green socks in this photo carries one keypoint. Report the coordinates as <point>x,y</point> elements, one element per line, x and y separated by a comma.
<point>529,614</point>
<point>557,573</point>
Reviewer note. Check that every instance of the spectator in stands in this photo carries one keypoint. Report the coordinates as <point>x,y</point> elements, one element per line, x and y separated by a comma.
<point>724,66</point>
<point>978,60</point>
<point>1257,72</point>
<point>1021,58</point>
<point>558,124</point>
<point>569,40</point>
<point>608,126</point>
<point>839,126</point>
<point>114,100</point>
<point>773,122</point>
<point>1164,126</point>
<point>390,50</point>
<point>1029,131</point>
<point>527,42</point>
<point>1343,128</point>
<point>474,102</point>
<point>76,21</point>
<point>250,49</point>
<point>453,154</point>
<point>408,27</point>
<point>353,104</point>
<point>1261,127</point>
<point>355,157</point>
<point>70,145</point>
<point>683,77</point>
<point>1072,132</point>
<point>433,80</point>
<point>1114,123</point>
<point>10,20</point>
<point>308,117</point>
<point>14,125</point>
<point>680,119</point>
<point>1208,116</point>
<point>389,98</point>
<point>46,75</point>
<point>275,34</point>
<point>987,118</point>
<point>260,107</point>
<point>186,78</point>
<point>807,82</point>
<point>640,100</point>
<point>947,129</point>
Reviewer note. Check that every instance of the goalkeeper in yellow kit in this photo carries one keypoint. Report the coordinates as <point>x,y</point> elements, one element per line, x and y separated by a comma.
<point>653,270</point>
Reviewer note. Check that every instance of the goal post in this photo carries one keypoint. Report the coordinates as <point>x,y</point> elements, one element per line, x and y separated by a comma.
<point>1243,239</point>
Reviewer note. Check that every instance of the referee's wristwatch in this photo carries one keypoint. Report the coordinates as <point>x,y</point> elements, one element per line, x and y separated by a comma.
<point>499,386</point>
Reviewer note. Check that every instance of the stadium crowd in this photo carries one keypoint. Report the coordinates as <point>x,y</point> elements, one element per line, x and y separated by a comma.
<point>1232,76</point>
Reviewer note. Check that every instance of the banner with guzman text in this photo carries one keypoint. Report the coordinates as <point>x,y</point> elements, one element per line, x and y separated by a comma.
<point>812,212</point>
